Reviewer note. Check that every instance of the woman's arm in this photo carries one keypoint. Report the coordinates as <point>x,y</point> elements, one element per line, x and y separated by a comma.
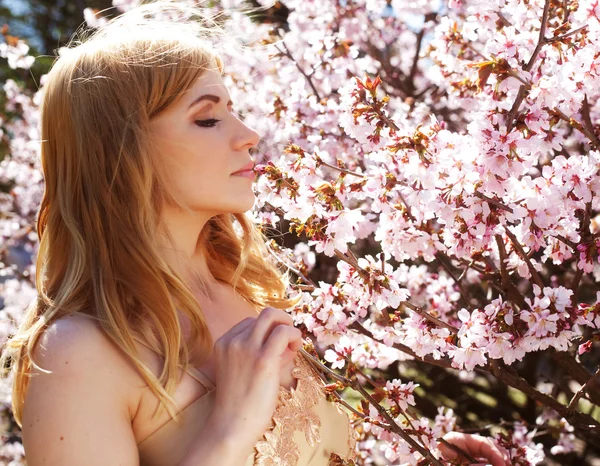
<point>81,413</point>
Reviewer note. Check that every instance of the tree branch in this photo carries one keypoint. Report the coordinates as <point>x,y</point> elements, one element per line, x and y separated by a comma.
<point>429,317</point>
<point>541,38</point>
<point>522,90</point>
<point>577,125</point>
<point>583,389</point>
<point>512,292</point>
<point>521,252</point>
<point>288,54</point>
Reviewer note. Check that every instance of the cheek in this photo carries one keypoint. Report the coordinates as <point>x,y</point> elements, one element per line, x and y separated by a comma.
<point>202,176</point>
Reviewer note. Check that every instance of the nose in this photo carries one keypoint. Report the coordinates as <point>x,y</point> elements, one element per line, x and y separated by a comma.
<point>246,137</point>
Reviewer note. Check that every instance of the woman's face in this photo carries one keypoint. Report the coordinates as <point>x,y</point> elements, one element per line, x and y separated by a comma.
<point>202,142</point>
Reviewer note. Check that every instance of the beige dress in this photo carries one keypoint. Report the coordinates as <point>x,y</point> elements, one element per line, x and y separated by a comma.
<point>305,429</point>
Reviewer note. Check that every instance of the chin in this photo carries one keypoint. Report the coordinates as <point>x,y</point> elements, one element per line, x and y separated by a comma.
<point>240,208</point>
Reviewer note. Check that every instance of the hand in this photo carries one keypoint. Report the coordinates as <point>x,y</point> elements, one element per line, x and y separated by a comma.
<point>477,446</point>
<point>249,360</point>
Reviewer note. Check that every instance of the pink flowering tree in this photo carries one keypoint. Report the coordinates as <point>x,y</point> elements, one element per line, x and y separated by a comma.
<point>431,172</point>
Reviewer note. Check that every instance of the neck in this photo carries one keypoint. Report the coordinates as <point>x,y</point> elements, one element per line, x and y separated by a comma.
<point>180,248</point>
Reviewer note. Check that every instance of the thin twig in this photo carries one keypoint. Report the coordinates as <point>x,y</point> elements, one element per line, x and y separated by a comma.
<point>493,201</point>
<point>413,68</point>
<point>446,264</point>
<point>288,54</point>
<point>510,377</point>
<point>321,367</point>
<point>293,269</point>
<point>567,241</point>
<point>521,252</point>
<point>468,457</point>
<point>550,40</point>
<point>408,209</point>
<point>368,379</point>
<point>429,317</point>
<point>508,286</point>
<point>578,372</point>
<point>522,89</point>
<point>343,170</point>
<point>386,120</point>
<point>587,121</point>
<point>541,41</point>
<point>502,254</point>
<point>351,261</point>
<point>577,125</point>
<point>583,389</point>
<point>512,113</point>
<point>505,21</point>
<point>585,229</point>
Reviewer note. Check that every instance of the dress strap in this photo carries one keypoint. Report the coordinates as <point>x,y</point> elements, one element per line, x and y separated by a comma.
<point>195,373</point>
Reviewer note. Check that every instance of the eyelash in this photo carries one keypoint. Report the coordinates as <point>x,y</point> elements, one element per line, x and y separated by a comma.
<point>210,123</point>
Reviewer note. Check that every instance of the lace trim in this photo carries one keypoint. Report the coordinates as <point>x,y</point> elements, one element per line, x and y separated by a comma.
<point>293,412</point>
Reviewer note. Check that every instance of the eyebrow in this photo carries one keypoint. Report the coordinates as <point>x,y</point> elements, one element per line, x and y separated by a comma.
<point>213,98</point>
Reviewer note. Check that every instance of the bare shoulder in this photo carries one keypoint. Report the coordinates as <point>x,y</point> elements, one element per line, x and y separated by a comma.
<point>77,337</point>
<point>81,399</point>
<point>76,346</point>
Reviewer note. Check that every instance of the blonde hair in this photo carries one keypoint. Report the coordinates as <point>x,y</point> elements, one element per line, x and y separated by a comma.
<point>98,222</point>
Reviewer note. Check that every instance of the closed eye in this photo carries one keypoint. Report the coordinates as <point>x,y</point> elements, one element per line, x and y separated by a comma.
<point>210,123</point>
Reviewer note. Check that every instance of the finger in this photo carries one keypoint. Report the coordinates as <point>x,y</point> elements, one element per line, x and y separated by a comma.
<point>266,322</point>
<point>279,340</point>
<point>475,445</point>
<point>489,451</point>
<point>455,438</point>
<point>236,330</point>
<point>296,344</point>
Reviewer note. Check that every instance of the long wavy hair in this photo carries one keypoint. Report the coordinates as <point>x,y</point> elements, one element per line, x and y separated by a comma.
<point>99,219</point>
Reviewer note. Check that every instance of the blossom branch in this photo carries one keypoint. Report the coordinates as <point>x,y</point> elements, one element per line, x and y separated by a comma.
<point>567,241</point>
<point>493,201</point>
<point>395,427</point>
<point>428,316</point>
<point>342,170</point>
<point>442,362</point>
<point>413,68</point>
<point>511,378</point>
<point>392,424</point>
<point>468,457</point>
<point>585,228</point>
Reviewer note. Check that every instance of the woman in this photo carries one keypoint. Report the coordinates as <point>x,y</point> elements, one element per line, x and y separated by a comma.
<point>142,266</point>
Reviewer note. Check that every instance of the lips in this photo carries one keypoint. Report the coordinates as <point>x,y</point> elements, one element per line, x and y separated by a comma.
<point>248,167</point>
